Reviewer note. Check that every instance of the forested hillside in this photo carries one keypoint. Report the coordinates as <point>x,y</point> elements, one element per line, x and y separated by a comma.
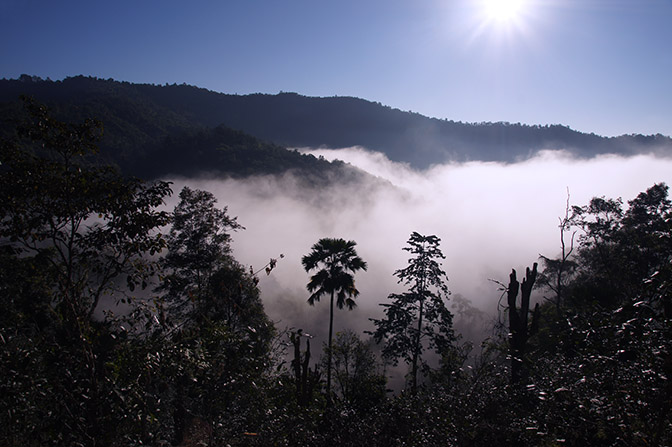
<point>138,116</point>
<point>150,140</point>
<point>126,324</point>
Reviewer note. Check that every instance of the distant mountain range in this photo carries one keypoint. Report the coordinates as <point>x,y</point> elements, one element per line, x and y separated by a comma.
<point>150,126</point>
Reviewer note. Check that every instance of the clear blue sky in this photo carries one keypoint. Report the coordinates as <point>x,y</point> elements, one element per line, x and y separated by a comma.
<point>602,66</point>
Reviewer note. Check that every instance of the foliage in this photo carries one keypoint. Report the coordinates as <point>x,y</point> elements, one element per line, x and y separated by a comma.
<point>337,261</point>
<point>212,315</point>
<point>72,234</point>
<point>618,249</point>
<point>356,370</point>
<point>94,224</point>
<point>420,315</point>
<point>198,246</point>
<point>604,356</point>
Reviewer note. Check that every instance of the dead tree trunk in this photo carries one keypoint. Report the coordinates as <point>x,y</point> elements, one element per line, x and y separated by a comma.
<point>305,379</point>
<point>519,331</point>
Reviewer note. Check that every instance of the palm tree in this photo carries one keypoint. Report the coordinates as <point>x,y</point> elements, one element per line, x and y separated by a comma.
<point>335,259</point>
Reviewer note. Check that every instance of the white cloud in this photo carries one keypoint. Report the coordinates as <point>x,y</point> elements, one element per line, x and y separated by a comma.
<point>491,217</point>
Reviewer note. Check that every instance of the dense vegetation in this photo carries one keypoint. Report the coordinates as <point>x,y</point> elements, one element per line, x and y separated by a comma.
<point>147,139</point>
<point>139,116</point>
<point>125,325</point>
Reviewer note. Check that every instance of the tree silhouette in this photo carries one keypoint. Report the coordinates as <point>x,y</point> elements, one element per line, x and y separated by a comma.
<point>198,247</point>
<point>357,373</point>
<point>215,324</point>
<point>519,330</point>
<point>419,314</point>
<point>75,237</point>
<point>336,260</point>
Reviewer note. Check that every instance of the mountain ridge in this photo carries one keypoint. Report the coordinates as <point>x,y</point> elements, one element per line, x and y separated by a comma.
<point>293,120</point>
<point>149,141</point>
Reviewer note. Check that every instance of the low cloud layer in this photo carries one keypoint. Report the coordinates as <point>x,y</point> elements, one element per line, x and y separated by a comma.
<point>491,217</point>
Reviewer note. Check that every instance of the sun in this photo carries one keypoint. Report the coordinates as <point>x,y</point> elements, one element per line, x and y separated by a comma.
<point>503,10</point>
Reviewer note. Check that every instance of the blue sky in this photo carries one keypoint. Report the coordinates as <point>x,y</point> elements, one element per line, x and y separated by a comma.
<point>602,66</point>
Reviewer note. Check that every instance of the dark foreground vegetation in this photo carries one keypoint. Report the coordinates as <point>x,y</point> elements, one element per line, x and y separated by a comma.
<point>122,324</point>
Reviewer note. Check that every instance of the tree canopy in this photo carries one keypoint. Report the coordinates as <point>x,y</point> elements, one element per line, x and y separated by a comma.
<point>419,318</point>
<point>336,261</point>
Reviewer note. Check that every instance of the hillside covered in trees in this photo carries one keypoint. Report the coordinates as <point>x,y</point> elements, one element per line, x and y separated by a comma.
<point>147,139</point>
<point>143,122</point>
<point>127,324</point>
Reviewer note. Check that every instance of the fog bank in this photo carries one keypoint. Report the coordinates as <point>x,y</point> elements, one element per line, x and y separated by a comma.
<point>491,217</point>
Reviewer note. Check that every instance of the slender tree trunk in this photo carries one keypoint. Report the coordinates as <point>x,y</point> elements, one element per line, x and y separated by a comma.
<point>307,381</point>
<point>331,327</point>
<point>416,350</point>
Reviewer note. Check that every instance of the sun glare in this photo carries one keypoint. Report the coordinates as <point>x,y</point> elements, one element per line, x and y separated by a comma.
<point>503,10</point>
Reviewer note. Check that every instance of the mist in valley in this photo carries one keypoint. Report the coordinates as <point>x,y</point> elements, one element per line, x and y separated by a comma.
<point>491,217</point>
